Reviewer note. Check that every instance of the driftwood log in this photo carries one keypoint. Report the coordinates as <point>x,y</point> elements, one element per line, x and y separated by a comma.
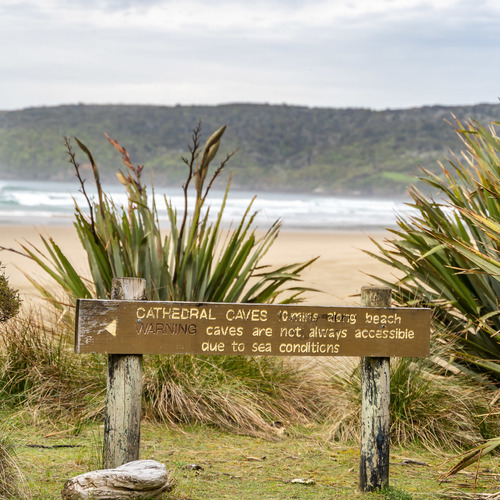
<point>141,479</point>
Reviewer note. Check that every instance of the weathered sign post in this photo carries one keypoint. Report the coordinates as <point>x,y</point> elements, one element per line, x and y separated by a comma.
<point>375,411</point>
<point>374,331</point>
<point>122,418</point>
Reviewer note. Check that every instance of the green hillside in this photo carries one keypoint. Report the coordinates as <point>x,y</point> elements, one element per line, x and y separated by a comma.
<point>344,151</point>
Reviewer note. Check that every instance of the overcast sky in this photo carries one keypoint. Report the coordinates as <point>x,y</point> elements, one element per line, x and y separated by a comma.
<point>335,53</point>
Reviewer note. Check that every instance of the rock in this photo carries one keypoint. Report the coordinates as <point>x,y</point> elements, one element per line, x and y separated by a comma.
<point>195,467</point>
<point>307,482</point>
<point>141,479</point>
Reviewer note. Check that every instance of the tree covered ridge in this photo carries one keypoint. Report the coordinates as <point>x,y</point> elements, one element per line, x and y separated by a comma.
<point>283,147</point>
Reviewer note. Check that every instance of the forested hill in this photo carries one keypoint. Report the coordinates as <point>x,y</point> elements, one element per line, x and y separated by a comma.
<point>346,151</point>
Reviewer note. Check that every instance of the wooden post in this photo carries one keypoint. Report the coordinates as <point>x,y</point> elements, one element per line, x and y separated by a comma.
<point>375,399</point>
<point>122,420</point>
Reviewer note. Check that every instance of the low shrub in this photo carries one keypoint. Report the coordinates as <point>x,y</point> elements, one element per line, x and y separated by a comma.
<point>9,298</point>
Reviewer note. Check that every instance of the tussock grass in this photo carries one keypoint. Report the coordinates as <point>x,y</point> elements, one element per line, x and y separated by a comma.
<point>42,376</point>
<point>447,253</point>
<point>12,483</point>
<point>40,373</point>
<point>242,394</point>
<point>427,408</point>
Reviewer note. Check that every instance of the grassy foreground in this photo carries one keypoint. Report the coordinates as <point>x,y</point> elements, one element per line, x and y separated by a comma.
<point>206,463</point>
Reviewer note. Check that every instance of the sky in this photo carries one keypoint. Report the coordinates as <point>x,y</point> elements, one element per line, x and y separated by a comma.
<point>375,54</point>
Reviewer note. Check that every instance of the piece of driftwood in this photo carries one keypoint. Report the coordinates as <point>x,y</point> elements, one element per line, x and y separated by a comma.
<point>141,479</point>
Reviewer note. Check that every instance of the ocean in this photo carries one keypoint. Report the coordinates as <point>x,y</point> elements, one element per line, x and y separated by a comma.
<point>37,203</point>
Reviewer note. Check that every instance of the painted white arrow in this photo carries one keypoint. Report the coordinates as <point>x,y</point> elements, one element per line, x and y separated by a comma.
<point>111,328</point>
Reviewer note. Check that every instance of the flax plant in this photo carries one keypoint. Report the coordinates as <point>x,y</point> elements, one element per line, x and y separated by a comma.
<point>448,254</point>
<point>449,258</point>
<point>195,259</point>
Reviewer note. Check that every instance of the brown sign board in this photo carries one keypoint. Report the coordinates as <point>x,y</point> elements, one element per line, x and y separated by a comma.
<point>151,327</point>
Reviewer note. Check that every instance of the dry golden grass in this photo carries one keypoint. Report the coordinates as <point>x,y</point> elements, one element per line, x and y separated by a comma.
<point>41,375</point>
<point>427,408</point>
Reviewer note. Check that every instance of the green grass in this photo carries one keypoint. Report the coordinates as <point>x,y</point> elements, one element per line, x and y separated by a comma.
<point>398,177</point>
<point>242,467</point>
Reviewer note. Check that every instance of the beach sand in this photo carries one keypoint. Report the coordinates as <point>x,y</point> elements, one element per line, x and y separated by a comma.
<point>340,271</point>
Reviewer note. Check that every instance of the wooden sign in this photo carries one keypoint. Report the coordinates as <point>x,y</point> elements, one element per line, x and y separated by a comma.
<point>146,327</point>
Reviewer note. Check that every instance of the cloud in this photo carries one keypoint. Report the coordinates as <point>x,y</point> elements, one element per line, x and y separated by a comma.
<point>375,53</point>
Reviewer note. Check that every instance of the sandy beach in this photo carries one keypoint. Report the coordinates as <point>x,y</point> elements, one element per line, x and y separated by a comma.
<point>340,271</point>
